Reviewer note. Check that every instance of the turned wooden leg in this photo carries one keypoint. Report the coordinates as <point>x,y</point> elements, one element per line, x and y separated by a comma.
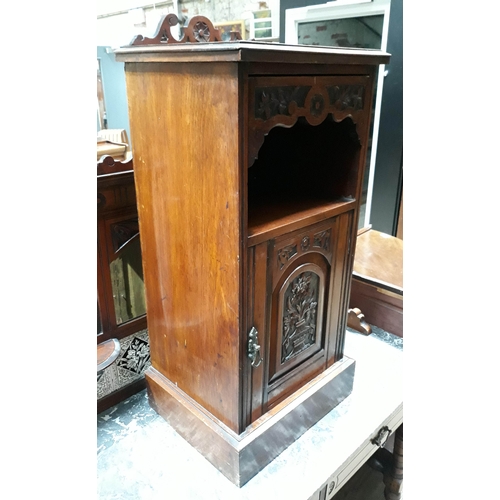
<point>393,478</point>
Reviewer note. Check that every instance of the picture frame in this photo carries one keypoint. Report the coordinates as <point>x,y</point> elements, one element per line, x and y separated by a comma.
<point>227,26</point>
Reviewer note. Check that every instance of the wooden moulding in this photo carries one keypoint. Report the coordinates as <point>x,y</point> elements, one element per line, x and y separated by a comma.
<point>380,307</point>
<point>241,457</point>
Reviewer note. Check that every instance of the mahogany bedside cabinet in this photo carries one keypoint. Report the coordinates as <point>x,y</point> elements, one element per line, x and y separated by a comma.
<point>249,161</point>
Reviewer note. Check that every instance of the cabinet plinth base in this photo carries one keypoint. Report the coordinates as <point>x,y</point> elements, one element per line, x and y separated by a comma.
<point>241,457</point>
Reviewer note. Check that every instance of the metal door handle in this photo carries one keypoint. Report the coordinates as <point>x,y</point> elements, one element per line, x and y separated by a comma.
<point>254,348</point>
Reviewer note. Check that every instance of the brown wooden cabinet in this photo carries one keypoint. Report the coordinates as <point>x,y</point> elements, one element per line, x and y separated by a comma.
<point>248,166</point>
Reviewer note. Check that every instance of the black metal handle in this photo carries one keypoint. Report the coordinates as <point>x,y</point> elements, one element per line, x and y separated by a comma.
<point>381,438</point>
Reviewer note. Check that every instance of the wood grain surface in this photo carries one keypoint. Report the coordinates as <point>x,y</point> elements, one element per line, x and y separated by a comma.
<point>379,256</point>
<point>185,139</point>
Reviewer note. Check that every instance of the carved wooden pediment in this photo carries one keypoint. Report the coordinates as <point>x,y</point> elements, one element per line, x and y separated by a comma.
<point>199,29</point>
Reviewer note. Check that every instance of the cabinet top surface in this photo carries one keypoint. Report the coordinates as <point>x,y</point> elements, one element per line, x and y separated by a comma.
<point>250,51</point>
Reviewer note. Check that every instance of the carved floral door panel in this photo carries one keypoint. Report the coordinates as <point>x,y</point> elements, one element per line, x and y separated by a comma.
<point>298,331</point>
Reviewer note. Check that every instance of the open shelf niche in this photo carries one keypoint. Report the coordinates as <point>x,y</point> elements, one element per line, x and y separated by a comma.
<point>302,174</point>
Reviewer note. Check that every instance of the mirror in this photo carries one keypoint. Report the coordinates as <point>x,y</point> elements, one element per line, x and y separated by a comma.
<point>127,281</point>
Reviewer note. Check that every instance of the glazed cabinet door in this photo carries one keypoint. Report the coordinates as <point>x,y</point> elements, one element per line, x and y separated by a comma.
<point>297,307</point>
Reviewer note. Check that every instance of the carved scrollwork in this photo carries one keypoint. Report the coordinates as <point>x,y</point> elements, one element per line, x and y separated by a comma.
<point>108,165</point>
<point>274,101</point>
<point>199,30</point>
<point>319,241</point>
<point>346,96</point>
<point>285,104</point>
<point>304,244</point>
<point>313,102</point>
<point>322,240</point>
<point>299,319</point>
<point>316,106</point>
<point>285,254</point>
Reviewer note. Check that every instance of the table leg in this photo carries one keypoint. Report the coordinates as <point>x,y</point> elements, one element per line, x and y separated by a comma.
<point>393,479</point>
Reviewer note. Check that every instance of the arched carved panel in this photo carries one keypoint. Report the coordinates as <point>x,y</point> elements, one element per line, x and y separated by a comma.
<point>314,240</point>
<point>298,321</point>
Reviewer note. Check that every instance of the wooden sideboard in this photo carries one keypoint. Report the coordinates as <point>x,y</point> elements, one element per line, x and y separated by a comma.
<point>249,161</point>
<point>121,303</point>
<point>120,289</point>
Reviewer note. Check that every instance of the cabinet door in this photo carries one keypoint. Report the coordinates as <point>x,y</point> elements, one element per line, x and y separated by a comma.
<point>299,307</point>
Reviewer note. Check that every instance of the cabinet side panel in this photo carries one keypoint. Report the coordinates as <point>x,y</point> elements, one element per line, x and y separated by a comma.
<point>185,139</point>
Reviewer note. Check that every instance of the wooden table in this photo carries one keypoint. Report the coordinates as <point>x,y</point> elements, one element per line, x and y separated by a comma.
<point>152,461</point>
<point>377,280</point>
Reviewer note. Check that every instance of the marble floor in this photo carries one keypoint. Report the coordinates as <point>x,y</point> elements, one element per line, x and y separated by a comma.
<point>133,425</point>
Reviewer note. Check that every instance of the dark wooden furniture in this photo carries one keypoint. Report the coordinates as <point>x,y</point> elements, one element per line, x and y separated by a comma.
<point>249,166</point>
<point>121,306</point>
<point>377,281</point>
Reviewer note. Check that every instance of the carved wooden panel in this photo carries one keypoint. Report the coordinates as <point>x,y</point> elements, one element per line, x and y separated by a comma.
<point>199,30</point>
<point>299,315</point>
<point>285,254</point>
<point>300,274</point>
<point>298,318</point>
<point>313,239</point>
<point>273,101</point>
<point>287,101</point>
<point>299,329</point>
<point>322,239</point>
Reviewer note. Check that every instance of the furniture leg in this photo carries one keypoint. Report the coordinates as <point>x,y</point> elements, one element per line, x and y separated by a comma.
<point>393,478</point>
